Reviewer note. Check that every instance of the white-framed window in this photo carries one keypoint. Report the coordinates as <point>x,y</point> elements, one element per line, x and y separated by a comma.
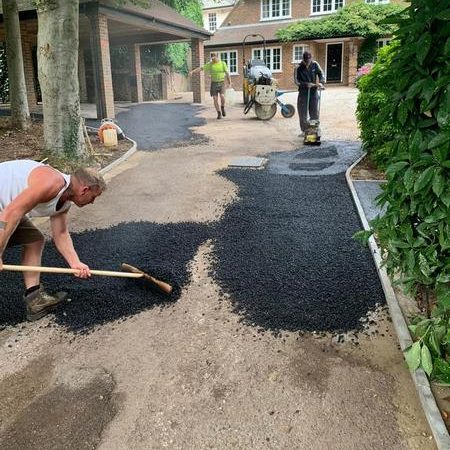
<point>297,52</point>
<point>383,42</point>
<point>230,58</point>
<point>272,57</point>
<point>275,9</point>
<point>326,6</point>
<point>377,2</point>
<point>212,22</point>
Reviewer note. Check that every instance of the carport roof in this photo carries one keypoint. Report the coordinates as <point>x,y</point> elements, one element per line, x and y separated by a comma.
<point>156,13</point>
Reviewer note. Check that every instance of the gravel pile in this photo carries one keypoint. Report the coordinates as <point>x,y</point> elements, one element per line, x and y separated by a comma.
<point>162,250</point>
<point>285,254</point>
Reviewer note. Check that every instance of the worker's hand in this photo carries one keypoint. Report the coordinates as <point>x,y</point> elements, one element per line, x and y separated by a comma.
<point>1,264</point>
<point>310,85</point>
<point>83,270</point>
<point>320,86</point>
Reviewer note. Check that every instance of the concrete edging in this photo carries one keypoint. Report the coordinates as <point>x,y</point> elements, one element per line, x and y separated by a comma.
<point>430,408</point>
<point>123,158</point>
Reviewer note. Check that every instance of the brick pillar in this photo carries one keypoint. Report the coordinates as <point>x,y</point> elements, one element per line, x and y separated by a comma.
<point>101,63</point>
<point>352,62</point>
<point>82,76</point>
<point>135,73</point>
<point>198,79</point>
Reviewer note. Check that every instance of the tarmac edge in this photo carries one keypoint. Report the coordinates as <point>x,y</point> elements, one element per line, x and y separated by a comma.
<point>421,382</point>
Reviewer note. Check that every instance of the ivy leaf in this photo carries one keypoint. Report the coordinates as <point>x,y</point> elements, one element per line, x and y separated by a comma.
<point>423,47</point>
<point>396,167</point>
<point>444,15</point>
<point>426,361</point>
<point>434,342</point>
<point>424,179</point>
<point>413,356</point>
<point>414,89</point>
<point>428,89</point>
<point>363,236</point>
<point>443,298</point>
<point>402,113</point>
<point>439,140</point>
<point>443,278</point>
<point>438,183</point>
<point>447,44</point>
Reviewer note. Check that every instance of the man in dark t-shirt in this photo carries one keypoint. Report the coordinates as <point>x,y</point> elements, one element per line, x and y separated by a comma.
<point>306,76</point>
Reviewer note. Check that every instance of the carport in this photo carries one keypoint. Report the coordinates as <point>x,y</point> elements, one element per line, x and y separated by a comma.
<point>103,24</point>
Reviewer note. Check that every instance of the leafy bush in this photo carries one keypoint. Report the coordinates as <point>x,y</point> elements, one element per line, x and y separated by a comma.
<point>176,54</point>
<point>373,113</point>
<point>356,19</point>
<point>414,233</point>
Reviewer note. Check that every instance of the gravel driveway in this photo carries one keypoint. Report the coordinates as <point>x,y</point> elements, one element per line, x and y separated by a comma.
<point>202,371</point>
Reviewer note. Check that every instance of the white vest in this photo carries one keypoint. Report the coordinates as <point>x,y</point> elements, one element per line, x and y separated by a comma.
<point>14,179</point>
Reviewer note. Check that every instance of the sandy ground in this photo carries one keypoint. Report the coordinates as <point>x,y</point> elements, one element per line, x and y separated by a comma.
<point>192,376</point>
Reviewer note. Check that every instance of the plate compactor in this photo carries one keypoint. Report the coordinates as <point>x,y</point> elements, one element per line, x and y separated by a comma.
<point>313,131</point>
<point>260,88</point>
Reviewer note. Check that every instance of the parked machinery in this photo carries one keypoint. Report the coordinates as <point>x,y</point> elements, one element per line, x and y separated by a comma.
<point>260,89</point>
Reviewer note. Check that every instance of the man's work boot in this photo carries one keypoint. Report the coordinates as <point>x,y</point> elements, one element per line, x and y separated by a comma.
<point>39,303</point>
<point>223,111</point>
<point>219,115</point>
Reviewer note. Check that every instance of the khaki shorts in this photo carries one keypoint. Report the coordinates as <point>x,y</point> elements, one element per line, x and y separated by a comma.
<point>25,233</point>
<point>216,88</point>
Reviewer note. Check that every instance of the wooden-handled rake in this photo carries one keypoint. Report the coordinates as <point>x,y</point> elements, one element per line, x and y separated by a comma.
<point>130,272</point>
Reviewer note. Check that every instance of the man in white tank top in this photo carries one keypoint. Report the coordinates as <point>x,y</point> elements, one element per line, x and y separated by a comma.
<point>31,189</point>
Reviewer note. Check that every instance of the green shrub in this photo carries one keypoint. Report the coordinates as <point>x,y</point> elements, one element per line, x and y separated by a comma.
<point>414,233</point>
<point>373,114</point>
<point>356,19</point>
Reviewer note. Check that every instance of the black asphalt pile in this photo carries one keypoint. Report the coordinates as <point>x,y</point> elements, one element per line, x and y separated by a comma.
<point>161,250</point>
<point>160,125</point>
<point>285,254</point>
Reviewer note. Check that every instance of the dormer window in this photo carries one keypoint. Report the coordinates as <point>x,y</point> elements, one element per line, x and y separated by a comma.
<point>275,9</point>
<point>326,6</point>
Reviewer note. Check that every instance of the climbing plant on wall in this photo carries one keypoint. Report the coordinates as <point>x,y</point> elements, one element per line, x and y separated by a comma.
<point>176,54</point>
<point>356,19</point>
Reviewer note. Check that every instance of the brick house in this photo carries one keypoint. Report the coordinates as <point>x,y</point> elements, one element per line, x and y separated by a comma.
<point>337,56</point>
<point>104,24</point>
<point>215,12</point>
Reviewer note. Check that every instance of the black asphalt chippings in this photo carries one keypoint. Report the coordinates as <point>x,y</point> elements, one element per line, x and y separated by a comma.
<point>285,254</point>
<point>160,125</point>
<point>163,250</point>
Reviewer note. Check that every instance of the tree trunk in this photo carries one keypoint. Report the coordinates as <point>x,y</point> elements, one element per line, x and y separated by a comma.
<point>58,76</point>
<point>20,114</point>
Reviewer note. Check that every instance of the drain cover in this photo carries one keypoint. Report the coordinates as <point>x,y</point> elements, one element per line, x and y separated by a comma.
<point>247,161</point>
<point>323,152</point>
<point>310,166</point>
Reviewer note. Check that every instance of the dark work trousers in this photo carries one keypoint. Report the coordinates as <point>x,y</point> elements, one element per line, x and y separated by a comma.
<point>302,106</point>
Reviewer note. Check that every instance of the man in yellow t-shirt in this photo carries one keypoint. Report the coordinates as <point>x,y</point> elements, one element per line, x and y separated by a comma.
<point>218,71</point>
